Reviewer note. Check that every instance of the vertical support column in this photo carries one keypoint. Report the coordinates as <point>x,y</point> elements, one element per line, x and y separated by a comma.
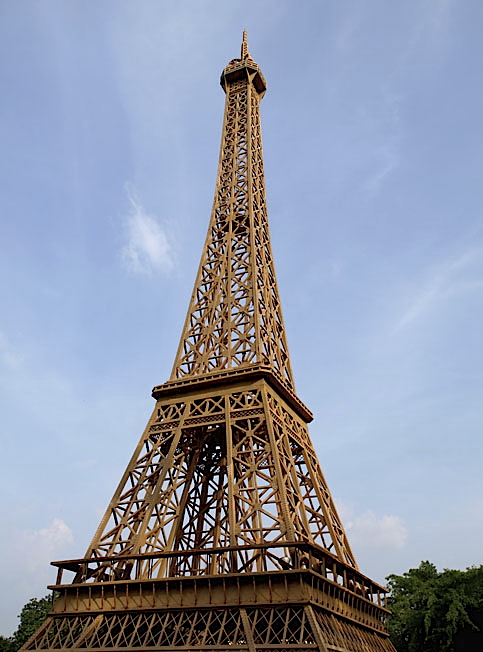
<point>287,518</point>
<point>248,630</point>
<point>96,540</point>
<point>253,250</point>
<point>87,631</point>
<point>309,612</point>
<point>140,539</point>
<point>231,483</point>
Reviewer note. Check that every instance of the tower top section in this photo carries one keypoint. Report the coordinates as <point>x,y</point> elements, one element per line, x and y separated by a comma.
<point>244,47</point>
<point>244,68</point>
<point>234,322</point>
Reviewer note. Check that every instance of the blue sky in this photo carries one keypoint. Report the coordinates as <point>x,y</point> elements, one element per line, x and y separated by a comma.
<point>110,123</point>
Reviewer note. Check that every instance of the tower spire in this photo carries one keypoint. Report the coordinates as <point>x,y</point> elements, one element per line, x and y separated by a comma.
<point>244,46</point>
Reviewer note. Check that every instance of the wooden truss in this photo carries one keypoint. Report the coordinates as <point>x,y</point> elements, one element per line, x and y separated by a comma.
<point>235,318</point>
<point>222,534</point>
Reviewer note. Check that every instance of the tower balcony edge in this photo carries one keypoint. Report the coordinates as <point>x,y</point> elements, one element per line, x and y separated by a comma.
<point>180,386</point>
<point>240,69</point>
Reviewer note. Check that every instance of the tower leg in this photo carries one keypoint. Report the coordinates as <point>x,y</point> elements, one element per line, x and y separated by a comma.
<point>315,628</point>
<point>248,630</point>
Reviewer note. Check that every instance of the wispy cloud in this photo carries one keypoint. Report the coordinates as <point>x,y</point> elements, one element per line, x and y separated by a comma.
<point>27,570</point>
<point>8,356</point>
<point>47,542</point>
<point>386,161</point>
<point>429,33</point>
<point>370,530</point>
<point>388,531</point>
<point>350,24</point>
<point>387,136</point>
<point>427,39</point>
<point>58,533</point>
<point>447,280</point>
<point>147,248</point>
<point>435,21</point>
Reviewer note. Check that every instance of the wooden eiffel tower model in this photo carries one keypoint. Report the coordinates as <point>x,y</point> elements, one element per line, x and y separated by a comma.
<point>222,534</point>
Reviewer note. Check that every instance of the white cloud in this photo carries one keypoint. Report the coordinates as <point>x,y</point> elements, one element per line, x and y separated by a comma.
<point>57,534</point>
<point>367,530</point>
<point>335,268</point>
<point>429,35</point>
<point>386,135</point>
<point>47,542</point>
<point>350,24</point>
<point>26,570</point>
<point>427,39</point>
<point>387,158</point>
<point>444,283</point>
<point>388,531</point>
<point>438,18</point>
<point>147,249</point>
<point>7,354</point>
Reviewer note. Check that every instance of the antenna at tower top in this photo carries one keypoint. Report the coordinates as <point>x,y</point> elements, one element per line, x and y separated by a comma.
<point>244,47</point>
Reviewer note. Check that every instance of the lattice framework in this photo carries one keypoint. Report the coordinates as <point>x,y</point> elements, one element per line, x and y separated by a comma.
<point>283,628</point>
<point>235,317</point>
<point>234,468</point>
<point>222,533</point>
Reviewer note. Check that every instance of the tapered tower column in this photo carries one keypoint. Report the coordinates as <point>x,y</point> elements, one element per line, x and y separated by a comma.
<point>235,317</point>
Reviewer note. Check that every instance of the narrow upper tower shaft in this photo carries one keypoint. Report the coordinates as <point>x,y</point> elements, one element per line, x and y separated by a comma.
<point>235,319</point>
<point>244,46</point>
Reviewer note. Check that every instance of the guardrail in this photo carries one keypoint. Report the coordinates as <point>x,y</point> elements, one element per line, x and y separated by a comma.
<point>233,560</point>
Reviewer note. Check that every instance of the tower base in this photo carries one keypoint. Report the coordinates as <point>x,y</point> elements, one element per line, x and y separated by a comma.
<point>328,608</point>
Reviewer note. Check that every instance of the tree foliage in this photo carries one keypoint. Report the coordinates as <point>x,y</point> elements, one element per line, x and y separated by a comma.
<point>31,617</point>
<point>6,644</point>
<point>431,609</point>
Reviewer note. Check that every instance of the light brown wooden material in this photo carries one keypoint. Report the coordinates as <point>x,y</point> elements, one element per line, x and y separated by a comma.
<point>235,318</point>
<point>222,534</point>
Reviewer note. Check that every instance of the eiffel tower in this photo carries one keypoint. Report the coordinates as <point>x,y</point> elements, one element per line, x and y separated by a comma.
<point>222,534</point>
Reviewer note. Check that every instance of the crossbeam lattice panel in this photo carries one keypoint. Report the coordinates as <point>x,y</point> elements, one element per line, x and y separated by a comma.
<point>236,468</point>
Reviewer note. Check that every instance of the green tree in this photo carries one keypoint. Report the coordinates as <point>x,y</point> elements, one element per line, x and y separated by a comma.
<point>429,609</point>
<point>6,644</point>
<point>31,617</point>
